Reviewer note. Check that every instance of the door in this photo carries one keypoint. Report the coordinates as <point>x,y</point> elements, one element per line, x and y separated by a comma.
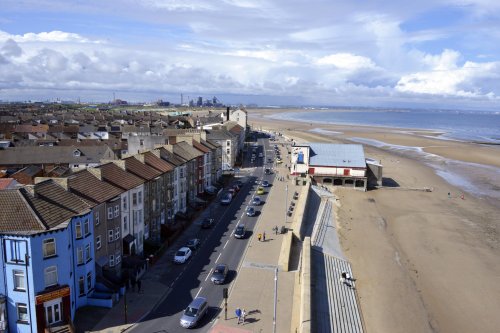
<point>53,311</point>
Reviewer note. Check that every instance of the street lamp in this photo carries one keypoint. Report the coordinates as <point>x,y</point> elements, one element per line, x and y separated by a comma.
<point>286,202</point>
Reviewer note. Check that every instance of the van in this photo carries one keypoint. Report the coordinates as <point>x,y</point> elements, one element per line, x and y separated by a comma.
<point>194,312</point>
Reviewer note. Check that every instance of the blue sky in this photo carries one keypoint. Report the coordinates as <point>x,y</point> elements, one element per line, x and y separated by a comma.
<point>317,52</point>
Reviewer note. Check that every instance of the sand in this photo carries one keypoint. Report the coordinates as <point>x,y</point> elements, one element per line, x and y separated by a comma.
<point>424,262</point>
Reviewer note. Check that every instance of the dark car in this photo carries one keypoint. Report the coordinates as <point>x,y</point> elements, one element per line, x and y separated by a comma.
<point>219,274</point>
<point>265,183</point>
<point>240,231</point>
<point>208,222</point>
<point>193,244</point>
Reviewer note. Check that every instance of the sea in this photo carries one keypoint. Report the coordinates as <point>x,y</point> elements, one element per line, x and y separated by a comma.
<point>480,180</point>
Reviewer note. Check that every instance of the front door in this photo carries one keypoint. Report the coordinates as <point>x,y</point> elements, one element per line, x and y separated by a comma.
<point>53,311</point>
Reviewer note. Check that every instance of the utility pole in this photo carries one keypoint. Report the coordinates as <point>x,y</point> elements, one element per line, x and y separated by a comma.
<point>275,297</point>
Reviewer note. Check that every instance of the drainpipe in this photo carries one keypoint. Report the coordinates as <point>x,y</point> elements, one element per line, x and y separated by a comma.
<point>26,260</point>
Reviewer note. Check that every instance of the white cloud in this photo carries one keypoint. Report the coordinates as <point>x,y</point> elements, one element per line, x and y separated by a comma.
<point>346,61</point>
<point>51,36</point>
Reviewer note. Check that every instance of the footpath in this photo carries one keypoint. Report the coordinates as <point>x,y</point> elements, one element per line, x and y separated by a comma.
<point>253,289</point>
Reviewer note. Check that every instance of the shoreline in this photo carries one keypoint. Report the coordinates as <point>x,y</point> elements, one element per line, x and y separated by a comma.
<point>424,261</point>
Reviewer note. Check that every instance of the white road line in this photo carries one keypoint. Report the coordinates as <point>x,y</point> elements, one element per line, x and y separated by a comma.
<point>218,257</point>
<point>232,232</point>
<point>209,273</point>
<point>198,292</point>
<point>225,244</point>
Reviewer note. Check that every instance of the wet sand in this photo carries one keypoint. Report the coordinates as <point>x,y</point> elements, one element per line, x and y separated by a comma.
<point>424,261</point>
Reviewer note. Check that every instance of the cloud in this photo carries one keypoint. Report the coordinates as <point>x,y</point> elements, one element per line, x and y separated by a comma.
<point>51,36</point>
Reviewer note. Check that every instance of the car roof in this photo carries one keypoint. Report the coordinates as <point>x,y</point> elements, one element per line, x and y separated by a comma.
<point>184,248</point>
<point>197,302</point>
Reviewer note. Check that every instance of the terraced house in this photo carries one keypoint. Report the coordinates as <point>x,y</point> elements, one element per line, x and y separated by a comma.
<point>48,257</point>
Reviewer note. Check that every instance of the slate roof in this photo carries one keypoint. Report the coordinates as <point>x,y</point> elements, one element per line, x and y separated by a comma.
<point>55,204</point>
<point>140,169</point>
<point>16,214</point>
<point>119,177</point>
<point>86,185</point>
<point>55,155</point>
<point>170,157</point>
<point>159,164</point>
<point>6,183</point>
<point>339,155</point>
<point>30,170</point>
<point>186,151</point>
<point>219,134</point>
<point>201,147</point>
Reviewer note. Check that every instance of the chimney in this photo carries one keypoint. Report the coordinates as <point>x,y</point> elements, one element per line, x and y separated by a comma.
<point>140,157</point>
<point>119,163</point>
<point>227,114</point>
<point>60,181</point>
<point>97,172</point>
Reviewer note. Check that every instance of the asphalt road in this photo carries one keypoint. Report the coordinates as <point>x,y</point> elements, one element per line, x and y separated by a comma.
<point>218,245</point>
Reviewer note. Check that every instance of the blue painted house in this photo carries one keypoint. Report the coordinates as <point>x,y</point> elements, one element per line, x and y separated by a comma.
<point>47,253</point>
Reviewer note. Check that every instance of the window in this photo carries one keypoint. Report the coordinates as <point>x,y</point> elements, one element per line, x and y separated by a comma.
<point>89,280</point>
<point>111,260</point>
<point>78,230</point>
<point>19,283</point>
<point>228,151</point>
<point>228,143</point>
<point>110,236</point>
<point>110,213</point>
<point>117,233</point>
<point>81,286</point>
<point>98,242</point>
<point>50,275</point>
<point>124,203</point>
<point>117,210</point>
<point>140,197</point>
<point>79,255</point>
<point>96,218</point>
<point>134,199</point>
<point>86,227</point>
<point>22,312</point>
<point>118,258</point>
<point>87,253</point>
<point>125,223</point>
<point>14,252</point>
<point>49,247</point>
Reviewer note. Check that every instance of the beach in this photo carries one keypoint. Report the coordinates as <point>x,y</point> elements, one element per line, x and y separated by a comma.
<point>425,261</point>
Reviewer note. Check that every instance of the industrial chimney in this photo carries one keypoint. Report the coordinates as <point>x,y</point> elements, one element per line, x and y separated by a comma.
<point>227,114</point>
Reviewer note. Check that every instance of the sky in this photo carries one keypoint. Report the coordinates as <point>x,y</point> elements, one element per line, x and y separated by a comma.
<point>392,53</point>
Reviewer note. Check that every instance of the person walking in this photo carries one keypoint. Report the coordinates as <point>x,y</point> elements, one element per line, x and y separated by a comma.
<point>238,314</point>
<point>243,316</point>
<point>259,236</point>
<point>139,285</point>
<point>264,236</point>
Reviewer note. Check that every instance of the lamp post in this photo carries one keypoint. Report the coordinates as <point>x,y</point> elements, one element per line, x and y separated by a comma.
<point>286,202</point>
<point>275,297</point>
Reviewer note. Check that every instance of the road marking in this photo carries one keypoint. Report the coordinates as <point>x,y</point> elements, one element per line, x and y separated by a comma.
<point>227,241</point>
<point>198,292</point>
<point>218,258</point>
<point>209,273</point>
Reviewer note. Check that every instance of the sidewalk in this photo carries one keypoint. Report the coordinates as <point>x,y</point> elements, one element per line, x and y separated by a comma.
<point>254,287</point>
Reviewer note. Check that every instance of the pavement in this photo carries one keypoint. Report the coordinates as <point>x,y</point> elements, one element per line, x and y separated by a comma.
<point>253,289</point>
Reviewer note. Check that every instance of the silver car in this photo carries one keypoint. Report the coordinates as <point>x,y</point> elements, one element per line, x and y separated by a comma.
<point>194,312</point>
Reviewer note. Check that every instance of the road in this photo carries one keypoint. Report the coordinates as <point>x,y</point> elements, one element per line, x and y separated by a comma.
<point>218,245</point>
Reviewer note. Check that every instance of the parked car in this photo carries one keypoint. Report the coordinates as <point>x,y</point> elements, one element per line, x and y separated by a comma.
<point>226,199</point>
<point>250,211</point>
<point>240,231</point>
<point>182,255</point>
<point>194,312</point>
<point>260,191</point>
<point>219,274</point>
<point>265,183</point>
<point>208,222</point>
<point>267,171</point>
<point>193,244</point>
<point>256,201</point>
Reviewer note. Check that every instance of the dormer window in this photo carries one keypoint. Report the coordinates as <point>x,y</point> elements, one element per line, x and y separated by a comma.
<point>77,153</point>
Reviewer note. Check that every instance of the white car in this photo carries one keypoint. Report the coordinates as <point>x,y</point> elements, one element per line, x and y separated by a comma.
<point>182,255</point>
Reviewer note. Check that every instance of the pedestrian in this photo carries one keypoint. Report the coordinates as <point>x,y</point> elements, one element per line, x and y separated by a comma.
<point>449,195</point>
<point>238,314</point>
<point>264,236</point>
<point>243,316</point>
<point>139,285</point>
<point>259,236</point>
<point>276,230</point>
<point>132,282</point>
